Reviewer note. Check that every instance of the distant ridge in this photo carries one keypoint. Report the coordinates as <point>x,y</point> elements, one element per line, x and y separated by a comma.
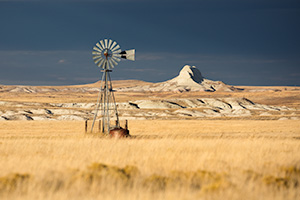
<point>189,79</point>
<point>92,87</point>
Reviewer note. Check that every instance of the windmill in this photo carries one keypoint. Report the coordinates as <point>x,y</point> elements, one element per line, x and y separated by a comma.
<point>106,55</point>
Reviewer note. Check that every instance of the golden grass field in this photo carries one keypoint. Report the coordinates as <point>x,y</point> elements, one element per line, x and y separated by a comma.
<point>165,159</point>
<point>220,158</point>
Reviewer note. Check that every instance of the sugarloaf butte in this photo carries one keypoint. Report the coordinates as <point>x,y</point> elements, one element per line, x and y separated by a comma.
<point>189,79</point>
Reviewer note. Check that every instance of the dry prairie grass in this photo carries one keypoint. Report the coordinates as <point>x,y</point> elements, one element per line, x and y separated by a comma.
<point>172,159</point>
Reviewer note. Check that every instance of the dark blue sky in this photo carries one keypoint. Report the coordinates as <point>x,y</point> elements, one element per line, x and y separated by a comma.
<point>249,42</point>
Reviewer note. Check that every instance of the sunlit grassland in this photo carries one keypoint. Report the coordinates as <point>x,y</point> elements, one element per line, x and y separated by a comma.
<point>171,159</point>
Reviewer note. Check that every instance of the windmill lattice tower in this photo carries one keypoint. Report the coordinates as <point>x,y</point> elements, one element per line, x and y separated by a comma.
<point>106,54</point>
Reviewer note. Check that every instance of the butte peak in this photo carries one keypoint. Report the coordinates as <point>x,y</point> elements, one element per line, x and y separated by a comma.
<point>191,72</point>
<point>188,79</point>
<point>188,75</point>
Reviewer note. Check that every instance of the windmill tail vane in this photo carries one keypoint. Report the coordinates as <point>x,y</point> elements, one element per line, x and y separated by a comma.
<point>106,54</point>
<point>129,54</point>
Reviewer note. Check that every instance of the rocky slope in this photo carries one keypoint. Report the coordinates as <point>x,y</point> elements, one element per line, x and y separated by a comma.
<point>189,79</point>
<point>195,108</point>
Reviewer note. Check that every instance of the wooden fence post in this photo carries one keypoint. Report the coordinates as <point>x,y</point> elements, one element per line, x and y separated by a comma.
<point>99,127</point>
<point>126,124</point>
<point>86,126</point>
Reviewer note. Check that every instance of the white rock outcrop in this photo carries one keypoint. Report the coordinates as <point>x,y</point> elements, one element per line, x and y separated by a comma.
<point>189,79</point>
<point>148,109</point>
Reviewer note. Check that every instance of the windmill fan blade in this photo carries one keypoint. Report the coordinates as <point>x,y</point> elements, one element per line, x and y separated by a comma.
<point>100,63</point>
<point>116,55</point>
<point>114,62</point>
<point>97,60</point>
<point>105,65</point>
<point>112,46</point>
<point>96,53</point>
<point>105,42</point>
<point>99,46</point>
<point>116,59</point>
<point>117,52</point>
<point>110,64</point>
<point>109,43</point>
<point>115,48</point>
<point>96,49</point>
<point>102,44</point>
<point>97,56</point>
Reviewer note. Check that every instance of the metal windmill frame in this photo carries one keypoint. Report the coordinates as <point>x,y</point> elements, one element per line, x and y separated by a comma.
<point>106,54</point>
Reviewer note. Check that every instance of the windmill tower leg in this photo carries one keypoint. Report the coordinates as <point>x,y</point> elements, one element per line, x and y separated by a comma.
<point>106,103</point>
<point>99,103</point>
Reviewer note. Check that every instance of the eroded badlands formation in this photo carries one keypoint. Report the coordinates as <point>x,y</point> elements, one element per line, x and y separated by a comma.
<point>146,109</point>
<point>189,81</point>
